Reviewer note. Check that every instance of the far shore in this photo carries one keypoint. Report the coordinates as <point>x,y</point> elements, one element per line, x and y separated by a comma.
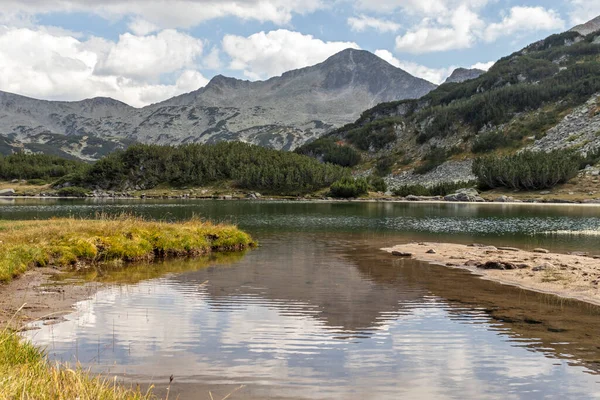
<point>543,202</point>
<point>573,276</point>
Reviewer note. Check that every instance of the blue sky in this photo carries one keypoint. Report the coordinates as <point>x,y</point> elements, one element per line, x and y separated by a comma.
<point>144,51</point>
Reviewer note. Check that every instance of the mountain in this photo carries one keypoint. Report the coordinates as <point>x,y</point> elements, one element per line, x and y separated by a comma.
<point>589,27</point>
<point>543,97</point>
<point>463,74</point>
<point>282,112</point>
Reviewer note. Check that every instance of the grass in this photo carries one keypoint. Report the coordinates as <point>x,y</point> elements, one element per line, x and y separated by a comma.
<point>67,242</point>
<point>25,373</point>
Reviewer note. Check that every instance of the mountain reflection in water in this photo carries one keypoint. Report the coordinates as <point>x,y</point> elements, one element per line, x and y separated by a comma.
<point>328,315</point>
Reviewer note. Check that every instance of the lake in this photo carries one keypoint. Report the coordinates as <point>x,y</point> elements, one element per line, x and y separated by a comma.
<point>318,311</point>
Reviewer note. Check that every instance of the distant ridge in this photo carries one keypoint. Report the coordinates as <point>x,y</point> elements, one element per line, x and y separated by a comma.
<point>282,112</point>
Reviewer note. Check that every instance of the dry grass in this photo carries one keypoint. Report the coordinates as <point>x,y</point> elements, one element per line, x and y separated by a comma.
<point>25,373</point>
<point>78,242</point>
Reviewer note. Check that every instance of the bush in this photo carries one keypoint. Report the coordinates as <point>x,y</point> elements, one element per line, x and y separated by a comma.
<point>440,189</point>
<point>378,184</point>
<point>36,182</point>
<point>329,151</point>
<point>384,165</point>
<point>527,170</point>
<point>348,187</point>
<point>489,141</point>
<point>72,191</point>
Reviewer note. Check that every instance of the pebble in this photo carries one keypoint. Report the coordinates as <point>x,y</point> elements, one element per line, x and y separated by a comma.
<point>431,251</point>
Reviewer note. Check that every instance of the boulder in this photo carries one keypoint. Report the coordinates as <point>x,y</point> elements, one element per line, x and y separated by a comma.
<point>7,192</point>
<point>543,267</point>
<point>431,251</point>
<point>411,197</point>
<point>499,265</point>
<point>465,195</point>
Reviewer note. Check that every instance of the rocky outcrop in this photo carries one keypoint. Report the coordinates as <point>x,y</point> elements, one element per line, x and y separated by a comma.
<point>450,171</point>
<point>580,129</point>
<point>588,27</point>
<point>282,112</point>
<point>464,74</point>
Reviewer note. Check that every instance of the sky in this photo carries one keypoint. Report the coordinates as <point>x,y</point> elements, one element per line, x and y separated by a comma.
<point>145,51</point>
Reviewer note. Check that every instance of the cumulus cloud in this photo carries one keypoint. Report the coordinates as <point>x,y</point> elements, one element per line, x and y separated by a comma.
<point>524,19</point>
<point>460,33</point>
<point>264,55</point>
<point>434,75</point>
<point>57,66</point>
<point>142,57</point>
<point>363,22</point>
<point>444,28</point>
<point>167,13</point>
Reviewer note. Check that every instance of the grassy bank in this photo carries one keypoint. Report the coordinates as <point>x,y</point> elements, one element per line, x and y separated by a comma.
<point>25,373</point>
<point>77,242</point>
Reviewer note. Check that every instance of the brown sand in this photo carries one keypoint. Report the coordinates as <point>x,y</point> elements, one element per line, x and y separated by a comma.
<point>566,275</point>
<point>34,296</point>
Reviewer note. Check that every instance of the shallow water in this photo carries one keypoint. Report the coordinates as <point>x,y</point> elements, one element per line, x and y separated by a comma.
<point>318,311</point>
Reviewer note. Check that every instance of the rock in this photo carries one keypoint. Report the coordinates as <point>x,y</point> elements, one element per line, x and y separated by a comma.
<point>545,192</point>
<point>543,251</point>
<point>14,181</point>
<point>7,192</point>
<point>469,192</point>
<point>431,251</point>
<point>543,267</point>
<point>499,265</point>
<point>251,196</point>
<point>411,197</point>
<point>508,248</point>
<point>473,263</point>
<point>401,254</point>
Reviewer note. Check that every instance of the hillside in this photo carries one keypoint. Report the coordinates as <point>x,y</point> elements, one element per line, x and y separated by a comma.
<point>282,112</point>
<point>543,97</point>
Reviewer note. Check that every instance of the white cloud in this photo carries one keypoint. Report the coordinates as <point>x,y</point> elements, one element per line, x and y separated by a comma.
<point>142,57</point>
<point>57,66</point>
<point>524,19</point>
<point>167,13</point>
<point>459,33</point>
<point>264,55</point>
<point>213,59</point>
<point>434,75</point>
<point>142,27</point>
<point>583,10</point>
<point>363,22</point>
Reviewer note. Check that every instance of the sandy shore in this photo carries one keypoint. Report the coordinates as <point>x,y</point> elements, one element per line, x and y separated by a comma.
<point>575,276</point>
<point>35,296</point>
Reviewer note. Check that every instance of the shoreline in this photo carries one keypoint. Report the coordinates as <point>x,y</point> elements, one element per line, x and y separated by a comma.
<point>568,276</point>
<point>312,200</point>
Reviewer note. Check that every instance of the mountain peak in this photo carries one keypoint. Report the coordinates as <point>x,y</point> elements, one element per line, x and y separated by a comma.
<point>587,28</point>
<point>464,74</point>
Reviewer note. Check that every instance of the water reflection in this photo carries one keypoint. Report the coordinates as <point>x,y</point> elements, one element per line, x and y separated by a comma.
<point>327,315</point>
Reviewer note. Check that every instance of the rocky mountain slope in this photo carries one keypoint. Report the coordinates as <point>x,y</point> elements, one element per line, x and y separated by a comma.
<point>463,74</point>
<point>543,97</point>
<point>589,27</point>
<point>282,112</point>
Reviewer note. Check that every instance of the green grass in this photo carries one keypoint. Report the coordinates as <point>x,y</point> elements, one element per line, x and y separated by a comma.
<point>25,373</point>
<point>69,242</point>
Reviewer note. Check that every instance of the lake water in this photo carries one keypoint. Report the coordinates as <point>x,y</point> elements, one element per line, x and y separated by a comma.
<point>318,311</point>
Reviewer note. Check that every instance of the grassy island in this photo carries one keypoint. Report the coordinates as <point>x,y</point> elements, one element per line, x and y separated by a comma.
<point>70,242</point>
